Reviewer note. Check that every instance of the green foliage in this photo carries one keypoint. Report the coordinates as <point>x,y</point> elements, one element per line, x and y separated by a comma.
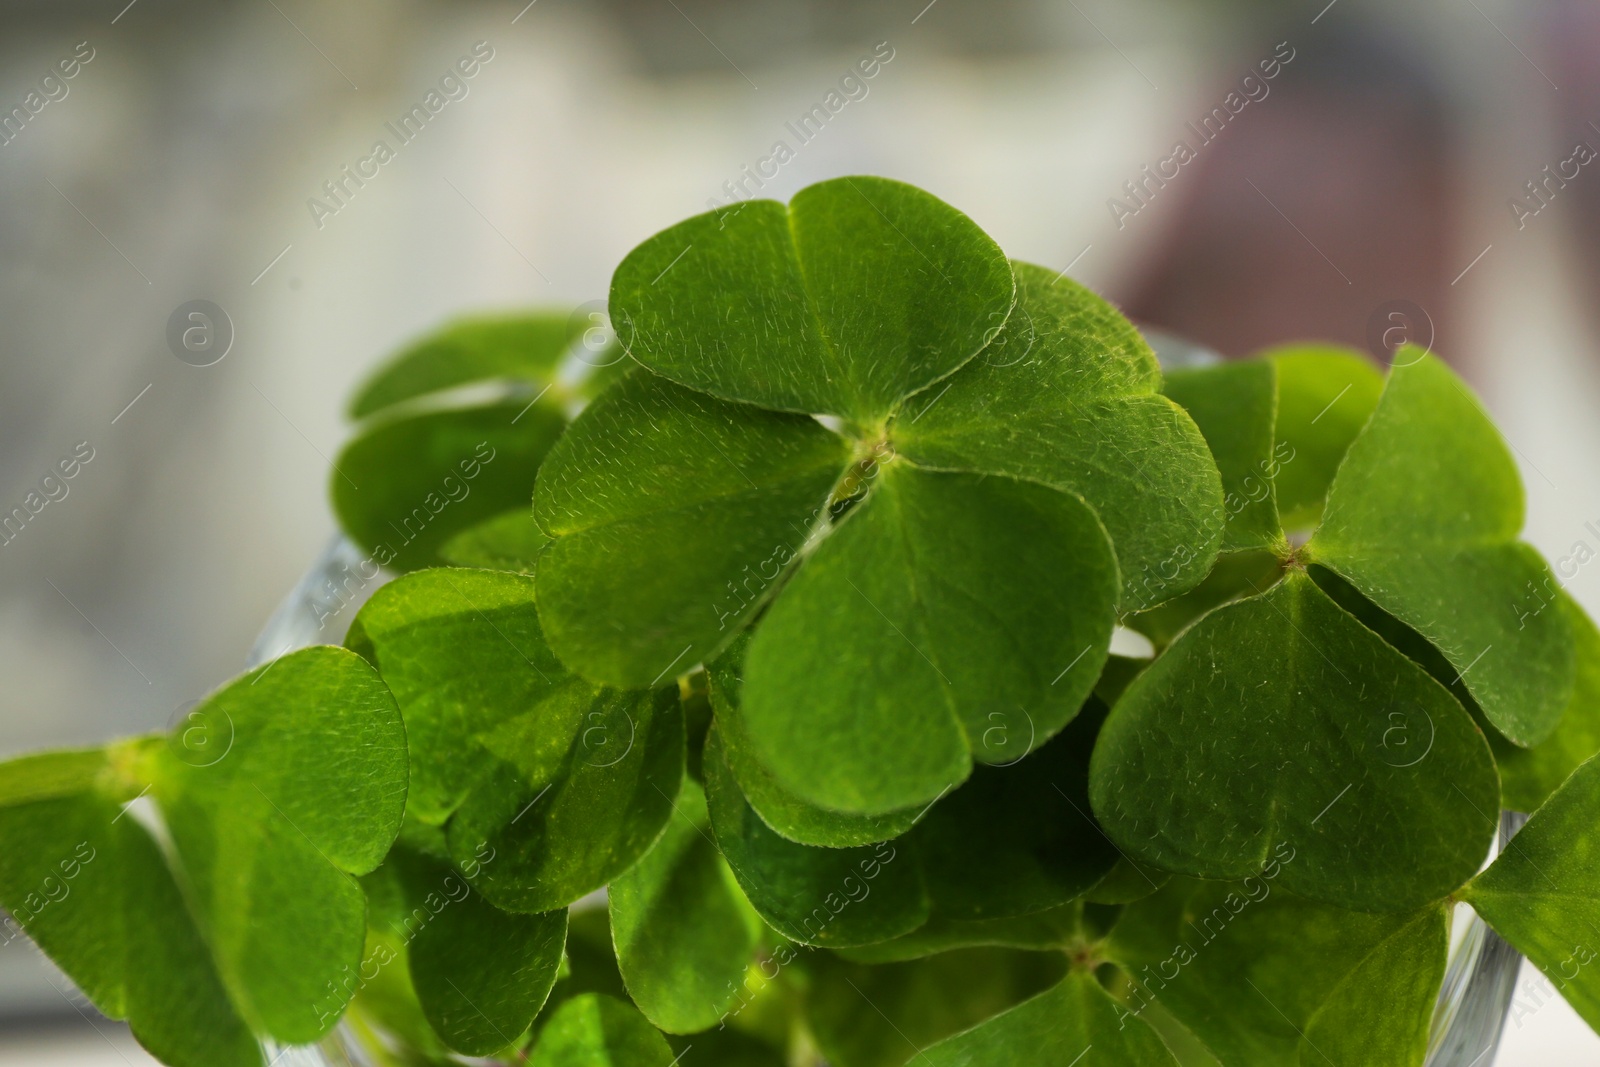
<point>1325,396</point>
<point>1059,1024</point>
<point>1264,978</point>
<point>1293,727</point>
<point>1069,396</point>
<point>411,482</point>
<point>779,809</point>
<point>480,974</point>
<point>594,1030</point>
<point>1529,775</point>
<point>1542,893</point>
<point>523,348</point>
<point>828,305</point>
<point>274,792</point>
<point>795,642</point>
<point>964,598</point>
<point>434,459</point>
<point>1235,406</point>
<point>271,831</point>
<point>1396,530</point>
<point>677,512</point>
<point>508,542</point>
<point>579,788</point>
<point>684,933</point>
<point>885,1016</point>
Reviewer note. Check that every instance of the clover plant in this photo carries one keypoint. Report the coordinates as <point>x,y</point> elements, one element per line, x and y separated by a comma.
<point>786,620</point>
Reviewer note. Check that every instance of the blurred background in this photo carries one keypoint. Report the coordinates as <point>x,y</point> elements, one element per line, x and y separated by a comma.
<point>1386,171</point>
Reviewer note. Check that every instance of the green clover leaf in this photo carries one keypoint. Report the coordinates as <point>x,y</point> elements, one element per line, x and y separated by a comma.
<point>1061,928</point>
<point>1425,575</point>
<point>781,810</point>
<point>1542,893</point>
<point>1025,827</point>
<point>948,617</point>
<point>548,786</point>
<point>275,792</point>
<point>1529,775</point>
<point>510,541</point>
<point>1069,396</point>
<point>849,433</point>
<point>480,975</point>
<point>1264,978</point>
<point>89,885</point>
<point>822,896</point>
<point>858,293</point>
<point>1235,406</point>
<point>684,932</point>
<point>1396,528</point>
<point>594,1030</point>
<point>1282,722</point>
<point>408,483</point>
<point>273,830</point>
<point>455,424</point>
<point>1325,396</point>
<point>521,348</point>
<point>675,514</point>
<point>1064,1022</point>
<point>891,1014</point>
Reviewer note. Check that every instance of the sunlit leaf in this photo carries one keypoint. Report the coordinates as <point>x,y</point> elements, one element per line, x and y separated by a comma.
<point>308,792</point>
<point>88,883</point>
